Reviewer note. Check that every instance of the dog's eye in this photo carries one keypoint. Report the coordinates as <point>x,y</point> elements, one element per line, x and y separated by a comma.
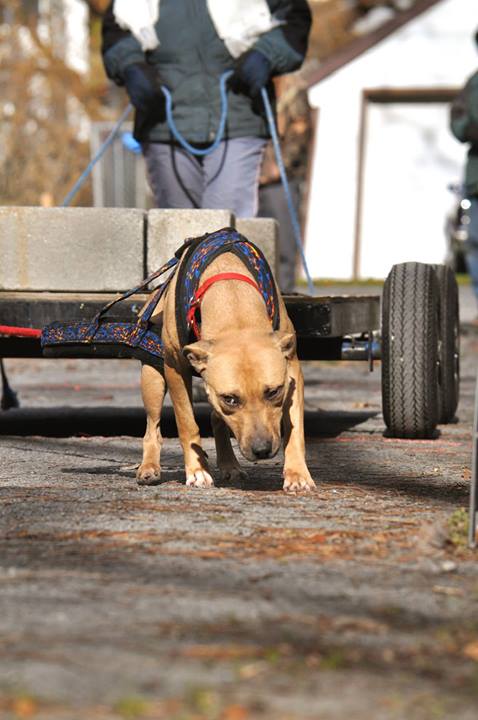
<point>231,401</point>
<point>273,393</point>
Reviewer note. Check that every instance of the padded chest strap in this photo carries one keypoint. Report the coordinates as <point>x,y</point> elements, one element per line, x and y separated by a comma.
<point>201,291</point>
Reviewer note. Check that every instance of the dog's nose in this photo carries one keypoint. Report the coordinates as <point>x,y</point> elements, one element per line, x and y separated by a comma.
<point>261,448</point>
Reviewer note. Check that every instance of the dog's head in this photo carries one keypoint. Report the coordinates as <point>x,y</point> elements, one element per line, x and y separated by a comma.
<point>247,382</point>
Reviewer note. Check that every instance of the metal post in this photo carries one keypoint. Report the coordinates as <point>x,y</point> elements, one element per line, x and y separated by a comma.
<point>474,477</point>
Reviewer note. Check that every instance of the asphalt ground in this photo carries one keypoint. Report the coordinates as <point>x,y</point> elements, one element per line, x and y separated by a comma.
<point>239,602</point>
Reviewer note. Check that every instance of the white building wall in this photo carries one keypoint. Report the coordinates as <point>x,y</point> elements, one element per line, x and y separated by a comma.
<point>434,50</point>
<point>77,35</point>
<point>64,25</point>
<point>411,158</point>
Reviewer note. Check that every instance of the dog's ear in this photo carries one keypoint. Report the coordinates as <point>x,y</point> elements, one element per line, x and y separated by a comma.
<point>198,354</point>
<point>287,343</point>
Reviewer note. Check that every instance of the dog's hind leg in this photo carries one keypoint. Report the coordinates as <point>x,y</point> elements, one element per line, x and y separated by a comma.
<point>296,473</point>
<point>229,468</point>
<point>153,388</point>
<point>195,459</point>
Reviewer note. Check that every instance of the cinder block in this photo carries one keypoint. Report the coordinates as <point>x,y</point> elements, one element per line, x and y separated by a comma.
<point>168,229</point>
<point>77,249</point>
<point>263,232</point>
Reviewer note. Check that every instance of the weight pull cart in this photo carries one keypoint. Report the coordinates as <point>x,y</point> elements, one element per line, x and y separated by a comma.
<point>415,333</point>
<point>413,330</point>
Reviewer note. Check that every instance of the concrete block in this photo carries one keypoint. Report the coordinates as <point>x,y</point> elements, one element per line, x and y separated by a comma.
<point>168,229</point>
<point>263,232</point>
<point>71,249</point>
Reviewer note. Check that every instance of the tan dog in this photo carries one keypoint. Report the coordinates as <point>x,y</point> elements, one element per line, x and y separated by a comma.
<point>252,378</point>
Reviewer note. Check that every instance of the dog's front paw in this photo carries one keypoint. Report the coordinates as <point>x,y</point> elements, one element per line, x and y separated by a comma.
<point>148,474</point>
<point>298,481</point>
<point>199,478</point>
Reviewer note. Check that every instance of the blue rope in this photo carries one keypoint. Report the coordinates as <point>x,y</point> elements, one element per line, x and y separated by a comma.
<point>222,121</point>
<point>275,141</point>
<point>285,184</point>
<point>205,151</point>
<point>68,198</point>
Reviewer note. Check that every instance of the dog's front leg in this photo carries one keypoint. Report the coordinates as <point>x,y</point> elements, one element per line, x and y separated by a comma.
<point>296,474</point>
<point>153,388</point>
<point>229,468</point>
<point>195,461</point>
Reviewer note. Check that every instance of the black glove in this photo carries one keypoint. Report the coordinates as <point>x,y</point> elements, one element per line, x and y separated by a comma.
<point>143,87</point>
<point>251,74</point>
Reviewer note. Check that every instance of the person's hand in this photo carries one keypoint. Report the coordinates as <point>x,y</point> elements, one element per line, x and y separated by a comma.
<point>143,86</point>
<point>251,74</point>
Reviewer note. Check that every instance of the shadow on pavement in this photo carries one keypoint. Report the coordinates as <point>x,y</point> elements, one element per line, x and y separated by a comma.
<point>130,421</point>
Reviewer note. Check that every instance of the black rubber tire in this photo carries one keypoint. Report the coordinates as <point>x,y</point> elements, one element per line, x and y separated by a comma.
<point>410,316</point>
<point>449,344</point>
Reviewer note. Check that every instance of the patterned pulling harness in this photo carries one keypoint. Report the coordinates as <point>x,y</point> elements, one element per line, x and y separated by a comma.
<point>199,255</point>
<point>104,336</point>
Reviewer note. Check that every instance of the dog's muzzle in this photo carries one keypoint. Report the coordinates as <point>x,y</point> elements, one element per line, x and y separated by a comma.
<point>261,448</point>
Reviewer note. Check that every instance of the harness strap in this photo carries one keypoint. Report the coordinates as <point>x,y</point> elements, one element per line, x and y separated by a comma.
<point>200,292</point>
<point>141,322</point>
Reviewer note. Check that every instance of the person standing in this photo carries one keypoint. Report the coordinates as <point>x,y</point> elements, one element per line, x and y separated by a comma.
<point>186,45</point>
<point>464,126</point>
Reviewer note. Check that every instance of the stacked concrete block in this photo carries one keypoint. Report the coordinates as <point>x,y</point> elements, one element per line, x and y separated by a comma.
<point>264,233</point>
<point>168,229</point>
<point>105,249</point>
<point>71,249</point>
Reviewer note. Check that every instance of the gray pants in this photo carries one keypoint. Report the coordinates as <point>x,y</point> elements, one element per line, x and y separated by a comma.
<point>225,179</point>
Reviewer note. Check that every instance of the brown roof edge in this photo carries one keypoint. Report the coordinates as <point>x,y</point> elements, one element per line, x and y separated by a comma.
<point>362,44</point>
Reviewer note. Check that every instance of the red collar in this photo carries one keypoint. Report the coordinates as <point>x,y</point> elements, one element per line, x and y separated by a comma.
<point>199,294</point>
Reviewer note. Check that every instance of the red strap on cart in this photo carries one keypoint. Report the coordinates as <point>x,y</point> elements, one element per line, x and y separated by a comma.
<point>19,331</point>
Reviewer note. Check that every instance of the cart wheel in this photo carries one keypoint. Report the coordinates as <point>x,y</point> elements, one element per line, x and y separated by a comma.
<point>410,314</point>
<point>448,345</point>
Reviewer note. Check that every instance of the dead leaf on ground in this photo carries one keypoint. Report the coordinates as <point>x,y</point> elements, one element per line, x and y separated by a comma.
<point>234,712</point>
<point>471,650</point>
<point>448,590</point>
<point>24,707</point>
<point>220,652</point>
<point>251,670</point>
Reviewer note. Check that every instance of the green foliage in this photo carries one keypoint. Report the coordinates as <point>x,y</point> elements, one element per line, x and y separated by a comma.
<point>131,708</point>
<point>458,528</point>
<point>203,701</point>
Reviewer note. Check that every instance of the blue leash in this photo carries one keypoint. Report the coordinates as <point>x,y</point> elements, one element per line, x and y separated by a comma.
<point>285,184</point>
<point>205,151</point>
<point>68,198</point>
<point>222,121</point>
<point>275,141</point>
